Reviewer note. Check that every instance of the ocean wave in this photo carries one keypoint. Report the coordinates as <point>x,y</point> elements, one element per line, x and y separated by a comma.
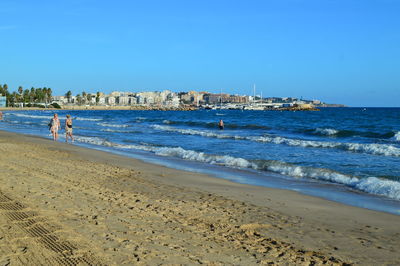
<point>372,185</point>
<point>195,132</point>
<point>349,133</point>
<point>112,125</point>
<point>214,124</point>
<point>326,131</point>
<point>370,148</point>
<point>396,136</point>
<point>119,131</point>
<point>88,119</point>
<point>33,116</point>
<point>93,140</point>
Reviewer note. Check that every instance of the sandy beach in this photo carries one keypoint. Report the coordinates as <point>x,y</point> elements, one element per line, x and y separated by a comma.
<point>61,204</point>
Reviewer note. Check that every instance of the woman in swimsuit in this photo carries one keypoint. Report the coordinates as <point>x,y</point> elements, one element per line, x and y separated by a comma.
<point>55,126</point>
<point>68,129</point>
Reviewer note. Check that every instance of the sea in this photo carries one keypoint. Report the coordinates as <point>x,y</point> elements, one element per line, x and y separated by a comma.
<point>348,155</point>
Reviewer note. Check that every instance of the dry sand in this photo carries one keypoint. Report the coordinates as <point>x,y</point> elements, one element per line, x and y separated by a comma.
<point>67,205</point>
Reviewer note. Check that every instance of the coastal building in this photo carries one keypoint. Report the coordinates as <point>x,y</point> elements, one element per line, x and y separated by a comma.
<point>61,100</point>
<point>102,100</point>
<point>110,100</point>
<point>122,100</point>
<point>3,101</point>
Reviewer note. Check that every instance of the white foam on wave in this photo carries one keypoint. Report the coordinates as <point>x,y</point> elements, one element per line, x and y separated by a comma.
<point>33,116</point>
<point>204,133</point>
<point>326,131</point>
<point>166,121</point>
<point>396,136</point>
<point>112,125</point>
<point>51,116</point>
<point>118,130</point>
<point>370,185</point>
<point>371,148</point>
<point>93,140</point>
<point>203,157</point>
<point>87,119</point>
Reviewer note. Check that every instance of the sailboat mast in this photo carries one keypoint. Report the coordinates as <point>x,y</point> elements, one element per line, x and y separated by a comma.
<point>254,93</point>
<point>220,99</point>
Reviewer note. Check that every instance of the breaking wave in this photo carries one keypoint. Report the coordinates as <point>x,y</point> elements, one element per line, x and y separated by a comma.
<point>214,125</point>
<point>195,132</point>
<point>112,125</point>
<point>370,148</point>
<point>331,132</point>
<point>120,131</point>
<point>87,119</point>
<point>33,116</point>
<point>51,116</point>
<point>396,136</point>
<point>372,185</point>
<point>326,131</point>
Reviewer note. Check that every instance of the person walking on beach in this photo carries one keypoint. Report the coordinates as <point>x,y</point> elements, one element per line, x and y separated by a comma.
<point>221,124</point>
<point>55,126</point>
<point>68,129</point>
<point>1,115</point>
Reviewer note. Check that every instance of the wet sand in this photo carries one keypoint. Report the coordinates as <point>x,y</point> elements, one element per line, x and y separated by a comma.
<point>63,204</point>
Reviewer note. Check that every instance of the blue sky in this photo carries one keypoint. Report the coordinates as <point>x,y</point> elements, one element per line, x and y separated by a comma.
<point>338,51</point>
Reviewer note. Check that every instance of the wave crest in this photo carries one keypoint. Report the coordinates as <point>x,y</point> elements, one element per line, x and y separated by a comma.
<point>396,136</point>
<point>370,148</point>
<point>326,131</point>
<point>112,125</point>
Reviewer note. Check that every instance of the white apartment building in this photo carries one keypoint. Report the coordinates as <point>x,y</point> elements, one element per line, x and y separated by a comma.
<point>110,100</point>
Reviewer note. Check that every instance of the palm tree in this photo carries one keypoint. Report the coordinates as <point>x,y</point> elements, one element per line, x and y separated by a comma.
<point>84,96</point>
<point>79,99</point>
<point>89,97</point>
<point>44,94</point>
<point>49,94</point>
<point>39,94</point>
<point>26,96</point>
<point>32,95</point>
<point>13,98</point>
<point>97,98</point>
<point>68,95</point>
<point>20,90</point>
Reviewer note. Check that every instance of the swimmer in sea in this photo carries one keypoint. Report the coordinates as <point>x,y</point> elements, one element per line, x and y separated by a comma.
<point>221,124</point>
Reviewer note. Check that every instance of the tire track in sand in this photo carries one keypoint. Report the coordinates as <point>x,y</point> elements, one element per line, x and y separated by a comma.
<point>34,227</point>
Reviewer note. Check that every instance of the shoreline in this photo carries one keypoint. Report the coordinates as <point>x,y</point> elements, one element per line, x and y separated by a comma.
<point>249,215</point>
<point>102,108</point>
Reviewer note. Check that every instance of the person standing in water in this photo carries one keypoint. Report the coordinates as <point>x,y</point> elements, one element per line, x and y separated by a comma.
<point>55,126</point>
<point>68,129</point>
<point>221,124</point>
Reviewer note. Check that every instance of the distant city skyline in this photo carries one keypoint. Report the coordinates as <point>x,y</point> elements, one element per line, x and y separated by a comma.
<point>345,52</point>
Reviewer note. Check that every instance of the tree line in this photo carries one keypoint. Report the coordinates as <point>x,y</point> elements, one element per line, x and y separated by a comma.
<point>42,95</point>
<point>32,96</point>
<point>83,98</point>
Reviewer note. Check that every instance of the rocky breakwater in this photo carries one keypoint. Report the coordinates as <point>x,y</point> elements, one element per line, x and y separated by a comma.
<point>300,107</point>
